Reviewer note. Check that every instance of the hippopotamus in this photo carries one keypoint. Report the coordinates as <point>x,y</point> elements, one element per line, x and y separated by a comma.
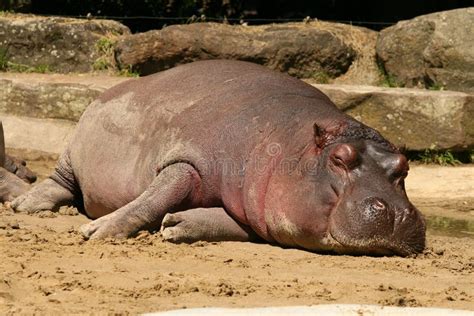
<point>230,150</point>
<point>14,175</point>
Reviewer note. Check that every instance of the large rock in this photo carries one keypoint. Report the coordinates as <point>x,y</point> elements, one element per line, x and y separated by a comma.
<point>364,69</point>
<point>434,50</point>
<point>302,50</point>
<point>45,135</point>
<point>58,44</point>
<point>417,119</point>
<point>51,95</point>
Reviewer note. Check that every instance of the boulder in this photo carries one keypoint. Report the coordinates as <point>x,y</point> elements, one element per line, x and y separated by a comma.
<point>414,118</point>
<point>364,69</point>
<point>302,50</point>
<point>432,51</point>
<point>57,44</point>
<point>45,135</point>
<point>53,96</point>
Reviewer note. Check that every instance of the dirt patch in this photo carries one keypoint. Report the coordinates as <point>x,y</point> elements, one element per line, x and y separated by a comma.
<point>47,267</point>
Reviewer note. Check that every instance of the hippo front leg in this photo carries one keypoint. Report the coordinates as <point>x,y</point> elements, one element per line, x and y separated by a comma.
<point>174,186</point>
<point>206,224</point>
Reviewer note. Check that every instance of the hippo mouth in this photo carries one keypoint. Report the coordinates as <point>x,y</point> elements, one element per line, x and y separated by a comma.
<point>375,246</point>
<point>367,247</point>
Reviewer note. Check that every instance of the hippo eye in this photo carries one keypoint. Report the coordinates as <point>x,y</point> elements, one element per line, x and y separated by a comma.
<point>345,155</point>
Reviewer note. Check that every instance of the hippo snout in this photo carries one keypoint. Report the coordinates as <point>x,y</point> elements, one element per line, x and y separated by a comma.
<point>379,226</point>
<point>410,229</point>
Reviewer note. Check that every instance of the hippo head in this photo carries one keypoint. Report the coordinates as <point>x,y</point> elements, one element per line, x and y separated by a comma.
<point>372,213</point>
<point>349,197</point>
<point>14,175</point>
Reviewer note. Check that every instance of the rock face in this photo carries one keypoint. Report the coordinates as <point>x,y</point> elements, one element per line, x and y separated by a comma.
<point>434,50</point>
<point>302,50</point>
<point>60,44</point>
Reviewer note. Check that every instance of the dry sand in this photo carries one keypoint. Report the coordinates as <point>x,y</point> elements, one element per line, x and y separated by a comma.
<point>46,267</point>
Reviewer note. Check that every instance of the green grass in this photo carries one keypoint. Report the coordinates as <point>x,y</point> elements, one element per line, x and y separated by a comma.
<point>3,59</point>
<point>435,86</point>
<point>438,157</point>
<point>14,67</point>
<point>320,77</point>
<point>104,45</point>
<point>7,65</point>
<point>101,63</point>
<point>5,12</point>
<point>388,80</point>
<point>128,72</point>
<point>42,69</point>
<point>105,50</point>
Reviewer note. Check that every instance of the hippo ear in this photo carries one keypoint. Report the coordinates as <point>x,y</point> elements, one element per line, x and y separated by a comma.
<point>318,135</point>
<point>2,146</point>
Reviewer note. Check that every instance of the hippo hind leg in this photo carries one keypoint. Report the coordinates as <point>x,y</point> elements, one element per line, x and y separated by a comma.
<point>56,191</point>
<point>206,224</point>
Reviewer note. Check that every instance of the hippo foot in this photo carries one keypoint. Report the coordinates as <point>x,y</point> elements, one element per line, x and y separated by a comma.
<point>202,224</point>
<point>176,229</point>
<point>47,195</point>
<point>103,227</point>
<point>31,202</point>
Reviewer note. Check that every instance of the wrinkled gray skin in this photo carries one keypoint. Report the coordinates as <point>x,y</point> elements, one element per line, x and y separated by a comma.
<point>228,150</point>
<point>15,177</point>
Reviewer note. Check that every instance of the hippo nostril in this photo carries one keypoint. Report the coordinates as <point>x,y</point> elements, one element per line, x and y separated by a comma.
<point>379,205</point>
<point>407,213</point>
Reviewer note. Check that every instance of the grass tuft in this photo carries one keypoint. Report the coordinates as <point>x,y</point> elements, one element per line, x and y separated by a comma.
<point>105,49</point>
<point>438,157</point>
<point>321,77</point>
<point>7,65</point>
<point>435,86</point>
<point>105,46</point>
<point>388,80</point>
<point>129,72</point>
<point>3,59</point>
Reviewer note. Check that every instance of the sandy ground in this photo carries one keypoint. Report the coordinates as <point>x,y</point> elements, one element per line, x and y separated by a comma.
<point>46,267</point>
